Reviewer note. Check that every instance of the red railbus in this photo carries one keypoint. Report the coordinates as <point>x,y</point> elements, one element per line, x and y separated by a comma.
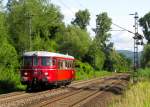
<point>42,68</point>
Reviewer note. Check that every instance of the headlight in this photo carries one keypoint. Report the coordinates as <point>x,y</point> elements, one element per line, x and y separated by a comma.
<point>35,69</point>
<point>46,73</point>
<point>25,73</point>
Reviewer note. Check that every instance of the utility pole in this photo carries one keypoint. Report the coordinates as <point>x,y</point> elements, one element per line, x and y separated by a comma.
<point>138,40</point>
<point>30,31</point>
<point>135,60</point>
<point>29,17</point>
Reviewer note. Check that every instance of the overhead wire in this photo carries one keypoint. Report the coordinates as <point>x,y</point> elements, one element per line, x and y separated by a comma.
<point>122,28</point>
<point>67,7</point>
<point>80,4</point>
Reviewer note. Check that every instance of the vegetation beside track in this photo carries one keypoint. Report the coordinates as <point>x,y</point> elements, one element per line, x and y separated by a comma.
<point>138,94</point>
<point>10,81</point>
<point>93,74</point>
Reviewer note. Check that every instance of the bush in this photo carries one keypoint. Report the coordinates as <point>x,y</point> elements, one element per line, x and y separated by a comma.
<point>84,67</point>
<point>9,81</point>
<point>144,73</point>
<point>85,71</point>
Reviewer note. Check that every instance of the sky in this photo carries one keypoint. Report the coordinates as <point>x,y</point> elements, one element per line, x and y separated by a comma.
<point>118,10</point>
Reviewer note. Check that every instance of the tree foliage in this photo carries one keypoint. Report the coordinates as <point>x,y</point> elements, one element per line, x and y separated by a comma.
<point>97,50</point>
<point>145,19</point>
<point>82,19</point>
<point>117,62</point>
<point>74,41</point>
<point>95,56</point>
<point>145,61</point>
<point>103,25</point>
<point>35,19</point>
<point>8,55</point>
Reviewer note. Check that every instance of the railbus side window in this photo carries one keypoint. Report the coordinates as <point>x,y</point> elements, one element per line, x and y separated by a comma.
<point>54,62</point>
<point>60,64</point>
<point>35,60</point>
<point>70,64</point>
<point>43,61</point>
<point>47,61</point>
<point>73,64</point>
<point>63,64</point>
<point>66,64</point>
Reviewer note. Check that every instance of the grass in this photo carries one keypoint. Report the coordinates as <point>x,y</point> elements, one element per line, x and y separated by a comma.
<point>144,74</point>
<point>80,75</point>
<point>137,96</point>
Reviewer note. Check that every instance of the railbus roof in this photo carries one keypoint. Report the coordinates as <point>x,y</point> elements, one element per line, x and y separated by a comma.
<point>47,54</point>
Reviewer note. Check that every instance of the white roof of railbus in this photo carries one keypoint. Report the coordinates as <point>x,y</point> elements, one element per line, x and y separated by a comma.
<point>48,54</point>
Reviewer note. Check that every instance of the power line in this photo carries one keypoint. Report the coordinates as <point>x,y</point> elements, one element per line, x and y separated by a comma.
<point>123,28</point>
<point>67,7</point>
<point>117,30</point>
<point>81,4</point>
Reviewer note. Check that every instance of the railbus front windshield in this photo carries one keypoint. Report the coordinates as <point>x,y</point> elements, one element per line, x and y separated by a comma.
<point>34,61</point>
<point>27,61</point>
<point>30,60</point>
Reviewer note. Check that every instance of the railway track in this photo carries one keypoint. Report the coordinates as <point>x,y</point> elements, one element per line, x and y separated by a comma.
<point>74,95</point>
<point>23,93</point>
<point>93,95</point>
<point>11,94</point>
<point>75,98</point>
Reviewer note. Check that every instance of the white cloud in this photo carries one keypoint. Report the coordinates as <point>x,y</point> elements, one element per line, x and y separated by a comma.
<point>69,14</point>
<point>123,41</point>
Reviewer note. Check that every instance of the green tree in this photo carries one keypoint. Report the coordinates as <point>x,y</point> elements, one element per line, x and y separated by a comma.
<point>97,51</point>
<point>82,18</point>
<point>73,41</point>
<point>8,55</point>
<point>39,17</point>
<point>95,56</point>
<point>145,60</point>
<point>103,25</point>
<point>116,62</point>
<point>145,19</point>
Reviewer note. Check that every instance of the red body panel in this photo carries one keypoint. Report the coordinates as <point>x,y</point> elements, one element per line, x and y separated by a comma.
<point>49,74</point>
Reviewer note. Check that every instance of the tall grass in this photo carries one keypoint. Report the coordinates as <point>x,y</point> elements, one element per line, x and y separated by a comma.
<point>137,96</point>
